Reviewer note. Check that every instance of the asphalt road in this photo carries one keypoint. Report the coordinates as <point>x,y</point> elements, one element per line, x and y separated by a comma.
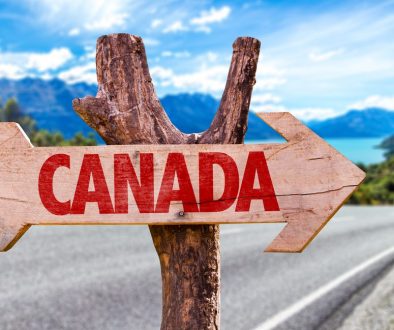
<point>75,277</point>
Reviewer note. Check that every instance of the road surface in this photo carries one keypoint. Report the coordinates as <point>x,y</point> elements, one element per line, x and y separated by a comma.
<point>74,277</point>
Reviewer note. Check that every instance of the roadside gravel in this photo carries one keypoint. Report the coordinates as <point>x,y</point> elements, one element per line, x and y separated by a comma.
<point>377,310</point>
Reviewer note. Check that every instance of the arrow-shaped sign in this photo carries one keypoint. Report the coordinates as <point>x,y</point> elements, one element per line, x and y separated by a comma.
<point>302,182</point>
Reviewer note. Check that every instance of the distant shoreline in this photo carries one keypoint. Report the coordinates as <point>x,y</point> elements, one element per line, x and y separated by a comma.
<point>358,150</point>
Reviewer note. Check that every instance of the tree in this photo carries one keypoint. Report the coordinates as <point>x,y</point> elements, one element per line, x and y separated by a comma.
<point>12,112</point>
<point>388,145</point>
<point>40,137</point>
<point>378,187</point>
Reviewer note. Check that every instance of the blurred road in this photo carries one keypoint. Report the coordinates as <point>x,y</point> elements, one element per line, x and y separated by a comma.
<point>109,277</point>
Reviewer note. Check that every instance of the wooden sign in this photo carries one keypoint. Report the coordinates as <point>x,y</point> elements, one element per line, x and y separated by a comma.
<point>302,182</point>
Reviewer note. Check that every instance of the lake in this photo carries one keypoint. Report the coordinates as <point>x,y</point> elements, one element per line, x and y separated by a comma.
<point>361,150</point>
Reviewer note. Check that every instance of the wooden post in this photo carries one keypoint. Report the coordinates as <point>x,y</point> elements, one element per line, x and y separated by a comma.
<point>126,110</point>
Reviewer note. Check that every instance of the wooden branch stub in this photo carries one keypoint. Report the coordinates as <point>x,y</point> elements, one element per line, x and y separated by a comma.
<point>126,99</point>
<point>126,95</point>
<point>230,122</point>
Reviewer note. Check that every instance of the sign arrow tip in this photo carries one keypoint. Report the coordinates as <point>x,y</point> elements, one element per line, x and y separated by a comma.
<point>324,178</point>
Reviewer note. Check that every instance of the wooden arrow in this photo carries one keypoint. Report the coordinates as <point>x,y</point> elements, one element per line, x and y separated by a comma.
<point>310,182</point>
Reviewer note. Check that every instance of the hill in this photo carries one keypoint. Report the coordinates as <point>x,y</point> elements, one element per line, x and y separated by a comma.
<point>371,122</point>
<point>49,103</point>
<point>194,113</point>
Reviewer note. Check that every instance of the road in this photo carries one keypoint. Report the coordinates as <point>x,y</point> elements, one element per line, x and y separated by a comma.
<point>74,277</point>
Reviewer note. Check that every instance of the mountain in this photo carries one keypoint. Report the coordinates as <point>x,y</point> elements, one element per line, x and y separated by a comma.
<point>371,122</point>
<point>194,113</point>
<point>49,103</point>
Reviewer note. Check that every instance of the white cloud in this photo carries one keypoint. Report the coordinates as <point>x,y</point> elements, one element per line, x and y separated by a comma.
<point>82,73</point>
<point>269,83</point>
<point>176,26</point>
<point>56,58</point>
<point>161,73</point>
<point>168,53</point>
<point>74,32</point>
<point>351,55</point>
<point>305,114</point>
<point>266,98</point>
<point>203,28</point>
<point>308,114</point>
<point>205,79</point>
<point>156,23</point>
<point>209,74</point>
<point>211,16</point>
<point>91,15</point>
<point>208,57</point>
<point>107,22</point>
<point>268,102</point>
<point>268,77</point>
<point>324,56</point>
<point>386,102</point>
<point>151,42</point>
<point>11,71</point>
<point>89,55</point>
<point>16,65</point>
<point>199,24</point>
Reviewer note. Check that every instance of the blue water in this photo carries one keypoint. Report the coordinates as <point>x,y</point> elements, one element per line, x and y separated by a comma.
<point>358,150</point>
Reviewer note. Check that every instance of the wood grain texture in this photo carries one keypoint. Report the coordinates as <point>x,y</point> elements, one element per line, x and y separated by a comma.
<point>126,110</point>
<point>311,180</point>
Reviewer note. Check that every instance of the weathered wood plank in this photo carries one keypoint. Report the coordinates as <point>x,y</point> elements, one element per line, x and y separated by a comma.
<point>309,178</point>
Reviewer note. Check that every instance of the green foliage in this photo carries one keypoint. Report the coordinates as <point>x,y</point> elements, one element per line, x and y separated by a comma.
<point>12,112</point>
<point>44,138</point>
<point>80,140</point>
<point>388,145</point>
<point>39,137</point>
<point>378,187</point>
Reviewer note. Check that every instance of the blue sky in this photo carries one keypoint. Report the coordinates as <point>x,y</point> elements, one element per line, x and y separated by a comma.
<point>318,58</point>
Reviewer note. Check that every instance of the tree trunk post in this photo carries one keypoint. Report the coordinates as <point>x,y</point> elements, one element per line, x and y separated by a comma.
<point>126,110</point>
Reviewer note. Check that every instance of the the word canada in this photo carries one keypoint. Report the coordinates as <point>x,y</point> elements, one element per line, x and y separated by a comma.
<point>175,184</point>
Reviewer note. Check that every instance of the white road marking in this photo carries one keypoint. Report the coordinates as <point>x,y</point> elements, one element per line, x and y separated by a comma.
<point>286,314</point>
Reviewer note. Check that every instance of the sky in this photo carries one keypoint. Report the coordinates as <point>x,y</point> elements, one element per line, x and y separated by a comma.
<point>318,59</point>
